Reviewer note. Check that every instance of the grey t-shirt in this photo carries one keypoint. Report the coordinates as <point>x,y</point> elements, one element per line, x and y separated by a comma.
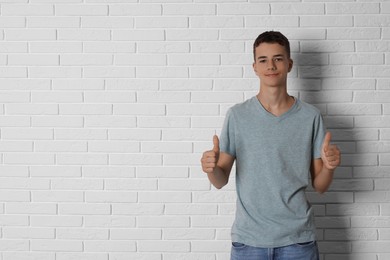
<point>273,157</point>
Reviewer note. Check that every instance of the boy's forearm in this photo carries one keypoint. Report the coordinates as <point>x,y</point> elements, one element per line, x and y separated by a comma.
<point>218,178</point>
<point>323,180</point>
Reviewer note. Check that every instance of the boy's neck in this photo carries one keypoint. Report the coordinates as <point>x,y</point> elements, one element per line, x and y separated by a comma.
<point>275,100</point>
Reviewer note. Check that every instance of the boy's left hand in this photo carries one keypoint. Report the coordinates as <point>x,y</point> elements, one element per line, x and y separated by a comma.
<point>330,153</point>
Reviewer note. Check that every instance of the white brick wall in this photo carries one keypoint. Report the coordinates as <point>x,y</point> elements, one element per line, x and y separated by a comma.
<point>106,107</point>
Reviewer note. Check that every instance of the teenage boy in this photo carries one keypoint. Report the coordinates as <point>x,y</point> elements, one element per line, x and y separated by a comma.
<point>276,140</point>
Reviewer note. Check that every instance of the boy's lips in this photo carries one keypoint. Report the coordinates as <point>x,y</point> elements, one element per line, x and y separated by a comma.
<point>272,75</point>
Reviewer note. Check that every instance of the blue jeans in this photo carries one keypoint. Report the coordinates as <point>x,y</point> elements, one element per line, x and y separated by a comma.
<point>303,251</point>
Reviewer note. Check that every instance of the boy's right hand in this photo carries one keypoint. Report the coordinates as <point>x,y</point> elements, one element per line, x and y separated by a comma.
<point>210,158</point>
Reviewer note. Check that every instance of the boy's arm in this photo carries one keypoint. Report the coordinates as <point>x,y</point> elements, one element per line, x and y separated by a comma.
<point>217,165</point>
<point>322,169</point>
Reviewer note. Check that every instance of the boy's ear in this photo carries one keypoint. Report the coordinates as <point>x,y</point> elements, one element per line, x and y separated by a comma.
<point>254,68</point>
<point>290,65</point>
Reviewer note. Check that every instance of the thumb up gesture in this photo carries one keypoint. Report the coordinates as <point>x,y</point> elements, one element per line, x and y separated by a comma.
<point>330,154</point>
<point>210,158</point>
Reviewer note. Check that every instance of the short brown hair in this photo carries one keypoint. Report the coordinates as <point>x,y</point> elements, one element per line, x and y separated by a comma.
<point>272,37</point>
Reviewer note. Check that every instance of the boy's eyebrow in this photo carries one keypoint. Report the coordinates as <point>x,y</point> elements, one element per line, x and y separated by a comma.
<point>264,57</point>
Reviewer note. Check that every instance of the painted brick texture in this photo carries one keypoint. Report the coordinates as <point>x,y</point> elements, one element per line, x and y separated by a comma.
<point>106,107</point>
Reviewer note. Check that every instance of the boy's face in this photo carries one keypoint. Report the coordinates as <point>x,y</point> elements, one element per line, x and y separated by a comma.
<point>272,64</point>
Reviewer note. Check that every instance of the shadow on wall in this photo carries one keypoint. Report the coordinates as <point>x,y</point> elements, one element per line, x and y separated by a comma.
<point>335,208</point>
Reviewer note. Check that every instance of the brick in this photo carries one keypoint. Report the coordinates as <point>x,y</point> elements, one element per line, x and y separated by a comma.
<point>28,158</point>
<point>325,71</point>
<point>164,246</point>
<point>32,109</point>
<point>163,97</point>
<point>108,47</point>
<point>30,34</point>
<point>14,220</point>
<point>163,47</point>
<point>137,210</point>
<point>110,97</point>
<point>189,9</point>
<point>13,47</point>
<point>138,35</point>
<point>57,121</point>
<point>162,72</point>
<point>193,59</point>
<point>13,72</point>
<point>191,209</point>
<point>56,47</point>
<point>217,47</point>
<point>140,59</point>
<point>80,134</point>
<point>192,256</point>
<point>217,22</point>
<point>164,221</point>
<point>81,255</point>
<point>135,10</point>
<point>192,34</point>
<point>297,8</point>
<point>212,246</point>
<point>27,10</point>
<point>109,72</point>
<point>56,245</point>
<point>352,8</point>
<point>28,233</point>
<point>269,21</point>
<point>353,33</point>
<point>162,172</point>
<point>190,185</point>
<point>80,10</point>
<point>24,183</point>
<point>140,256</point>
<point>82,234</point>
<point>135,234</point>
<point>212,221</point>
<point>29,208</point>
<point>56,221</point>
<point>373,121</point>
<point>161,22</point>
<point>166,197</point>
<point>327,46</point>
<point>186,84</point>
<point>358,59</point>
<point>166,147</point>
<point>53,22</point>
<point>54,72</point>
<point>370,246</point>
<point>83,34</point>
<point>130,134</point>
<point>55,171</point>
<point>110,121</point>
<point>86,59</point>
<point>12,22</point>
<point>16,146</point>
<point>110,222</point>
<point>28,255</point>
<point>106,22</point>
<point>87,109</point>
<point>14,245</point>
<point>131,84</point>
<point>84,209</point>
<point>354,109</point>
<point>139,109</point>
<point>242,9</point>
<point>353,209</point>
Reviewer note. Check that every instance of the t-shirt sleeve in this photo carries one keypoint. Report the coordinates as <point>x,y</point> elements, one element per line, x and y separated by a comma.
<point>318,136</point>
<point>227,142</point>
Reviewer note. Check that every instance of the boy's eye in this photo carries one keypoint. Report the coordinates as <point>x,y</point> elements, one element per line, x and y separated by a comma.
<point>262,61</point>
<point>278,59</point>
